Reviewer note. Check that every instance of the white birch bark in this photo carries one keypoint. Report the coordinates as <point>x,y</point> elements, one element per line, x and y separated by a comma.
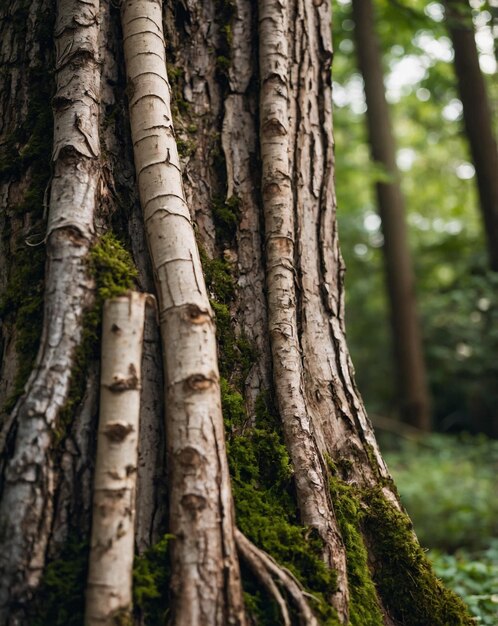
<point>26,509</point>
<point>302,436</point>
<point>109,587</point>
<point>206,581</point>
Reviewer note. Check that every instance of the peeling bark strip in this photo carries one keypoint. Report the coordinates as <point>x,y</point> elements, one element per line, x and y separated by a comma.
<point>277,124</point>
<point>26,508</point>
<point>205,580</point>
<point>109,588</point>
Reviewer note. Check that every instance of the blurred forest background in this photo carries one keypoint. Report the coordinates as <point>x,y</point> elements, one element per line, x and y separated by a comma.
<point>445,464</point>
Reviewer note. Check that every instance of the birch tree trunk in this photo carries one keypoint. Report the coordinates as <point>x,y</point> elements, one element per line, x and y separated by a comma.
<point>201,509</point>
<point>28,475</point>
<point>250,191</point>
<point>109,588</point>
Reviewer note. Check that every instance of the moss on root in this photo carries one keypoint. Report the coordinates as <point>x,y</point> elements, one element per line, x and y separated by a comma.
<point>403,574</point>
<point>397,570</point>
<point>266,510</point>
<point>364,609</point>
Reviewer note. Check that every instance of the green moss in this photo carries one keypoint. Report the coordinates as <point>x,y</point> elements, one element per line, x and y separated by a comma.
<point>236,353</point>
<point>151,580</point>
<point>404,576</point>
<point>400,572</point>
<point>22,302</point>
<point>225,12</point>
<point>186,147</point>
<point>219,281</point>
<point>266,513</point>
<point>226,217</point>
<point>61,599</point>
<point>364,607</point>
<point>112,267</point>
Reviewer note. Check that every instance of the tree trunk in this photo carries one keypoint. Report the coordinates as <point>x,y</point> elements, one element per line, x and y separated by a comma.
<point>413,392</point>
<point>477,118</point>
<point>109,588</point>
<point>321,534</point>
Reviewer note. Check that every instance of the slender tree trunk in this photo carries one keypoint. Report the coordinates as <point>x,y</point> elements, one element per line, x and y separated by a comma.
<point>109,588</point>
<point>413,392</point>
<point>201,508</point>
<point>477,118</point>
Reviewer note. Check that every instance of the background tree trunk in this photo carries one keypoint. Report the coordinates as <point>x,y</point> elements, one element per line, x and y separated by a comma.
<point>477,118</point>
<point>413,392</point>
<point>380,574</point>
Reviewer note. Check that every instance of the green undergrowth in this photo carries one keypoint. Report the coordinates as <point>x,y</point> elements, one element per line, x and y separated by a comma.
<point>474,577</point>
<point>151,581</point>
<point>61,596</point>
<point>114,272</point>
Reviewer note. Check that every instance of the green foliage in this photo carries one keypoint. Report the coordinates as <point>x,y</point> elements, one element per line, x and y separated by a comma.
<point>445,228</point>
<point>448,486</point>
<point>402,572</point>
<point>61,596</point>
<point>474,577</point>
<point>151,579</point>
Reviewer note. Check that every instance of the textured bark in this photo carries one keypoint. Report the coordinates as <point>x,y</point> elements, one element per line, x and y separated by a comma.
<point>278,128</point>
<point>29,481</point>
<point>413,391</point>
<point>477,118</point>
<point>283,250</point>
<point>109,588</point>
<point>240,148</point>
<point>206,581</point>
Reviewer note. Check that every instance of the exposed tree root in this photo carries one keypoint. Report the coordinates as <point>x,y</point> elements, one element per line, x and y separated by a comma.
<point>268,571</point>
